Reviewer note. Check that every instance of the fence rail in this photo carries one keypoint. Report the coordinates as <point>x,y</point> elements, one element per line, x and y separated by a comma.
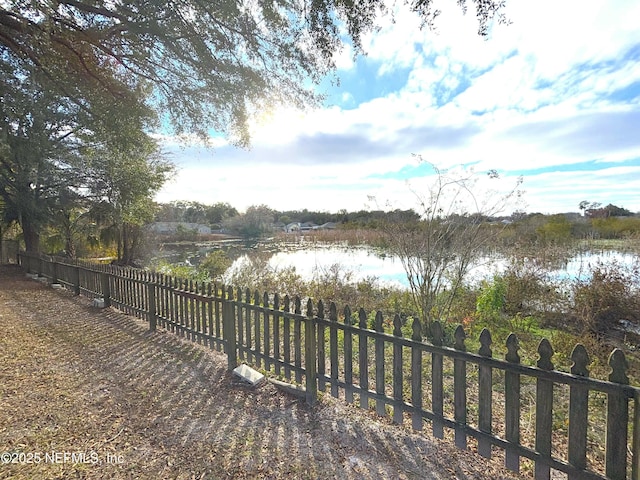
<point>468,396</point>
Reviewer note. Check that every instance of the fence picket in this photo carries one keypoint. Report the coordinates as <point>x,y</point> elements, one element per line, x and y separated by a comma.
<point>217,304</point>
<point>544,410</point>
<point>321,345</point>
<point>276,332</point>
<point>397,370</point>
<point>210,302</point>
<point>363,360</point>
<point>247,326</point>
<point>230,330</point>
<point>333,348</point>
<point>297,338</point>
<point>416,375</point>
<point>578,412</point>
<point>485,394</point>
<point>512,405</point>
<point>379,362</point>
<point>240,325</point>
<point>437,393</point>
<point>348,356</point>
<point>617,419</point>
<point>311,381</point>
<point>256,322</point>
<point>460,390</point>
<point>286,342</point>
<point>266,332</point>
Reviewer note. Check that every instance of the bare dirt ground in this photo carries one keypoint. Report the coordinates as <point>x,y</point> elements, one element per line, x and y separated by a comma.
<point>88,393</point>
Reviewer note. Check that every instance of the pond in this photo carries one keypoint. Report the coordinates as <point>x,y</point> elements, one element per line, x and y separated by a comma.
<point>310,259</point>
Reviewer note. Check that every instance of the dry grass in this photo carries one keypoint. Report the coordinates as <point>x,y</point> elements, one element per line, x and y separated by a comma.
<point>74,379</point>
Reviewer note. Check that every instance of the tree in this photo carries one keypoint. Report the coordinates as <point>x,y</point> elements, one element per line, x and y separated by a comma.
<point>38,161</point>
<point>438,251</point>
<point>123,184</point>
<point>556,230</point>
<point>210,64</point>
<point>256,221</point>
<point>53,150</point>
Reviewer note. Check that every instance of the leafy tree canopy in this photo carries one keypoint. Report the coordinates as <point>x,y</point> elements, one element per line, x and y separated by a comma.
<point>58,155</point>
<point>208,64</point>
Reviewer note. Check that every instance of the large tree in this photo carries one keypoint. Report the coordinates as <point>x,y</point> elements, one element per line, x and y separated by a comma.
<point>49,143</point>
<point>122,184</point>
<point>211,64</point>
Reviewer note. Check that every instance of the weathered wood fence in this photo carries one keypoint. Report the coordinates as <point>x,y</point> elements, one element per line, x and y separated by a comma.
<point>507,408</point>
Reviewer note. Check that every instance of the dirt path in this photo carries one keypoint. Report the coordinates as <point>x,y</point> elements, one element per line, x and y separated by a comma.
<point>87,393</point>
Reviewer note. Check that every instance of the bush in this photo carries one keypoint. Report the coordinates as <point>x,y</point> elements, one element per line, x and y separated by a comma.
<point>215,264</point>
<point>491,301</point>
<point>606,298</point>
<point>255,273</point>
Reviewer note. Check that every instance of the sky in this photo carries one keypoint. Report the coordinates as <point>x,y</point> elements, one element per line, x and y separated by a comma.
<point>553,98</point>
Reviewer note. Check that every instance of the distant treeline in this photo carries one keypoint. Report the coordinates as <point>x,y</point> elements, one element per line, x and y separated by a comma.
<point>593,222</point>
<point>218,213</point>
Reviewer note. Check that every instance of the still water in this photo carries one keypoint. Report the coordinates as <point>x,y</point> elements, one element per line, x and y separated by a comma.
<point>362,262</point>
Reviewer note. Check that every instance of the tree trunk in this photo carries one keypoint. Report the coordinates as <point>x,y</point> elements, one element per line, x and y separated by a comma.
<point>126,250</point>
<point>119,229</point>
<point>31,236</point>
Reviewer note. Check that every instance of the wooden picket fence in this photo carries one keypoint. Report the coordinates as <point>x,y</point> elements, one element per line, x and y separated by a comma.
<point>465,395</point>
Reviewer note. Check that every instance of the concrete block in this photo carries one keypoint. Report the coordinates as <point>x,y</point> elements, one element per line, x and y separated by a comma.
<point>98,303</point>
<point>249,375</point>
<point>56,286</point>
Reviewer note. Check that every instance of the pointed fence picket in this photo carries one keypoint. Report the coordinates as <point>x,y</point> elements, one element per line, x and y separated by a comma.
<point>277,337</point>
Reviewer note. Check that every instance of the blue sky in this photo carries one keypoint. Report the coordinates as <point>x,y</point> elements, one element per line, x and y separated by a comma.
<point>554,97</point>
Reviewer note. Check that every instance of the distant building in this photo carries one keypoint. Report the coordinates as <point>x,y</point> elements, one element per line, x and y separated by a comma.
<point>307,226</point>
<point>328,226</point>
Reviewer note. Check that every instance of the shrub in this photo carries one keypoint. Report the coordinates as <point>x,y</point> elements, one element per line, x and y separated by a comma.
<point>610,295</point>
<point>215,264</point>
<point>491,301</point>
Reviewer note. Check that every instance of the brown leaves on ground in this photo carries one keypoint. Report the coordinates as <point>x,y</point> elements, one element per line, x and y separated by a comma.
<point>88,393</point>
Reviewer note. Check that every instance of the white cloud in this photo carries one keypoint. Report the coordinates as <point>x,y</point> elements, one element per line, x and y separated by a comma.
<point>344,58</point>
<point>543,83</point>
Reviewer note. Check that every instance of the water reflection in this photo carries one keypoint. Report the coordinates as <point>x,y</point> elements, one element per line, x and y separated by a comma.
<point>311,259</point>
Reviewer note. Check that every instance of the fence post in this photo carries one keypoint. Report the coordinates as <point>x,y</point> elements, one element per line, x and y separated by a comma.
<point>106,289</point>
<point>379,362</point>
<point>229,328</point>
<point>635,466</point>
<point>617,419</point>
<point>76,280</point>
<point>512,405</point>
<point>54,271</point>
<point>310,356</point>
<point>485,392</point>
<point>151,297</point>
<point>578,412</point>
